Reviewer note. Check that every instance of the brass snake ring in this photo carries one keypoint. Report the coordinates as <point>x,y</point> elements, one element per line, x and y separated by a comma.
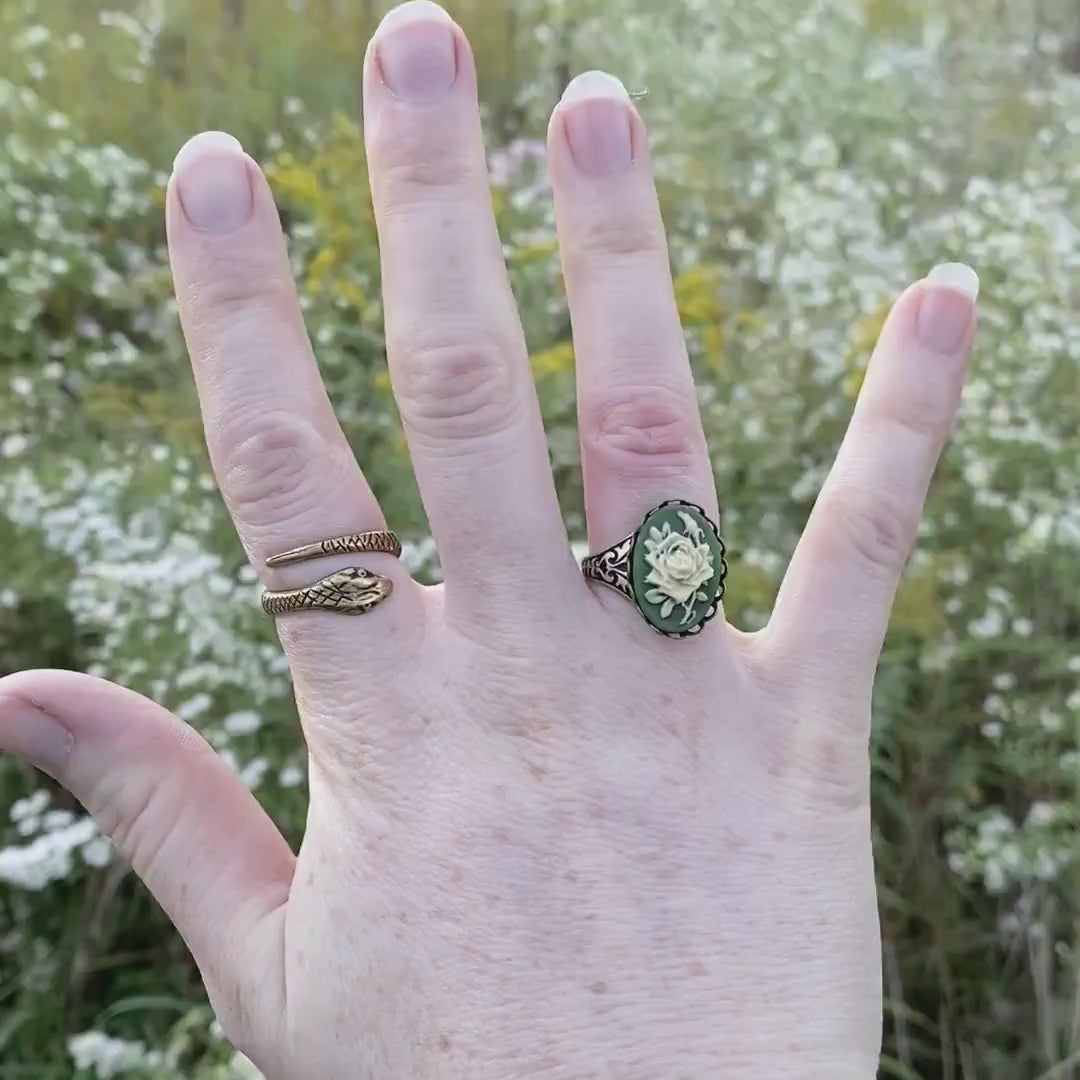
<point>349,591</point>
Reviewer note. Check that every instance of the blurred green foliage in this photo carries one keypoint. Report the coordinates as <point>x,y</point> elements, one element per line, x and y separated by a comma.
<point>812,159</point>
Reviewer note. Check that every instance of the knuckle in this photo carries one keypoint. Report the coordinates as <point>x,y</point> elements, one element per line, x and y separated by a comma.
<point>139,811</point>
<point>135,819</point>
<point>413,162</point>
<point>606,231</point>
<point>827,768</point>
<point>638,428</point>
<point>456,390</point>
<point>879,528</point>
<point>231,282</point>
<point>921,427</point>
<point>135,826</point>
<point>272,467</point>
<point>810,751</point>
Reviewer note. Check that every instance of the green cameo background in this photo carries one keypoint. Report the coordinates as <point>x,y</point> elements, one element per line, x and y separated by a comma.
<point>677,568</point>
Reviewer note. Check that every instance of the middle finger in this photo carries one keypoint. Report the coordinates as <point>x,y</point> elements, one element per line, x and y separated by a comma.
<point>457,353</point>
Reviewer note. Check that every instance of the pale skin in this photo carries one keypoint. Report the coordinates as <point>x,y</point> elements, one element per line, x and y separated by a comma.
<point>543,841</point>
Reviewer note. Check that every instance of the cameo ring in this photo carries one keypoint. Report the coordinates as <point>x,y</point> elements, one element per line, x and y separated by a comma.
<point>671,568</point>
<point>350,591</point>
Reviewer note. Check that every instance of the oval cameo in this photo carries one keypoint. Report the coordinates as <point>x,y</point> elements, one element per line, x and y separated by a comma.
<point>677,568</point>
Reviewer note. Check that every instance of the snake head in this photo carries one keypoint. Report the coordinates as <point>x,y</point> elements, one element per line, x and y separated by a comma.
<point>354,590</point>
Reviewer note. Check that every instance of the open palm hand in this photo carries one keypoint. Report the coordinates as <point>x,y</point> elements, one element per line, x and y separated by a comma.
<point>543,840</point>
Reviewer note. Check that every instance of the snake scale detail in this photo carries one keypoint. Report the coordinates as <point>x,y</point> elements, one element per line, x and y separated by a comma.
<point>363,543</point>
<point>351,591</point>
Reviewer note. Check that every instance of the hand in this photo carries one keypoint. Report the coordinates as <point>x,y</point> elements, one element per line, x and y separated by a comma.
<point>543,840</point>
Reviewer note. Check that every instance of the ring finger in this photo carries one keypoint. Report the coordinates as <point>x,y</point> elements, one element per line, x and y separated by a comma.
<point>641,436</point>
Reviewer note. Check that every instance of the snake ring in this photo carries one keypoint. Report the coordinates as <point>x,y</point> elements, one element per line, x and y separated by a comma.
<point>349,591</point>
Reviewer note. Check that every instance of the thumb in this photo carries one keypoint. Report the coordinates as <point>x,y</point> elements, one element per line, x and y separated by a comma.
<point>195,835</point>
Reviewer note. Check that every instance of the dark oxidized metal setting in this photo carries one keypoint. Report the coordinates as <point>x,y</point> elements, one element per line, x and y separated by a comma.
<point>672,568</point>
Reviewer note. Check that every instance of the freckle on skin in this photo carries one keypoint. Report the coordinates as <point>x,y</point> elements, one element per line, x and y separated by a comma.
<point>696,967</point>
<point>571,876</point>
<point>444,1043</point>
<point>666,700</point>
<point>599,987</point>
<point>830,760</point>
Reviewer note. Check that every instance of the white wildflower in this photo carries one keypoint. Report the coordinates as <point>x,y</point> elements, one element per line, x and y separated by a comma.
<point>290,776</point>
<point>30,807</point>
<point>13,445</point>
<point>97,852</point>
<point>46,858</point>
<point>989,625</point>
<point>108,1057</point>
<point>57,819</point>
<point>194,707</point>
<point>242,723</point>
<point>253,772</point>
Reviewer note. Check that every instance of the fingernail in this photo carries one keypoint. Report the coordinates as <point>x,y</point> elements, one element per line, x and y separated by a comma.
<point>416,50</point>
<point>947,306</point>
<point>213,183</point>
<point>35,736</point>
<point>598,123</point>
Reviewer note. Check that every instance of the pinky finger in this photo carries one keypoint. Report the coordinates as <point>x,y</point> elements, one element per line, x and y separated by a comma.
<point>834,603</point>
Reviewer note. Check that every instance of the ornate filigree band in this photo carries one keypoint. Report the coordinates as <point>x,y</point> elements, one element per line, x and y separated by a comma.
<point>349,591</point>
<point>672,568</point>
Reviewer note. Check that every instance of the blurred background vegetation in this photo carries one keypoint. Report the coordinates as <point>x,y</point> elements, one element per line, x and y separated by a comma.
<point>814,156</point>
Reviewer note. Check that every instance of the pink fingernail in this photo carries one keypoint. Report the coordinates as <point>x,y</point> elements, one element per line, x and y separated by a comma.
<point>947,307</point>
<point>213,183</point>
<point>597,118</point>
<point>35,736</point>
<point>417,50</point>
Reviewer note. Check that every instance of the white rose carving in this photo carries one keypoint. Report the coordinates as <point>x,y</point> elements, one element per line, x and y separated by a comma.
<point>679,564</point>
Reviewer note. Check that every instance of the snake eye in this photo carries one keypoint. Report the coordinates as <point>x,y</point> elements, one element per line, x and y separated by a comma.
<point>359,589</point>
